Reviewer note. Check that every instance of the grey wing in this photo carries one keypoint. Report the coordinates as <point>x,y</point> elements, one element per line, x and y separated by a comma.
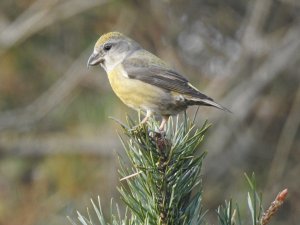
<point>160,76</point>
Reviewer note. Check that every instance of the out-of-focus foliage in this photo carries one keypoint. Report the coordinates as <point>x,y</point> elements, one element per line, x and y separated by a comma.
<point>56,141</point>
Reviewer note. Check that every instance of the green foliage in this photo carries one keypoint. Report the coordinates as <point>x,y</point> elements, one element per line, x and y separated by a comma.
<point>226,214</point>
<point>254,201</point>
<point>229,215</point>
<point>167,170</point>
<point>164,171</point>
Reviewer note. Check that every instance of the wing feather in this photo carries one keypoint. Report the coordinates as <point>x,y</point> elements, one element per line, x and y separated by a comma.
<point>160,76</point>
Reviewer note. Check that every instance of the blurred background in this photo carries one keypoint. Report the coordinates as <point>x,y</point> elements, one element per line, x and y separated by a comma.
<point>58,147</point>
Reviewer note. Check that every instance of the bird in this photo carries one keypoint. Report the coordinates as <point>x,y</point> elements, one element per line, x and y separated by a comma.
<point>143,81</point>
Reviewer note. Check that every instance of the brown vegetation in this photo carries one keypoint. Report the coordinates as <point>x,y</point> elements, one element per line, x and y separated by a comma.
<point>57,144</point>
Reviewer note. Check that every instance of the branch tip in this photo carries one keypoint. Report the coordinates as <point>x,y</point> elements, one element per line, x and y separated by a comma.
<point>282,195</point>
<point>275,205</point>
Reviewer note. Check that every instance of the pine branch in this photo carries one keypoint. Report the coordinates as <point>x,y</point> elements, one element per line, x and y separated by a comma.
<point>166,170</point>
<point>163,171</point>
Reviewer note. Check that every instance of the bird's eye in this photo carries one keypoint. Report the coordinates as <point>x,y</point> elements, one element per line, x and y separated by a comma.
<point>107,47</point>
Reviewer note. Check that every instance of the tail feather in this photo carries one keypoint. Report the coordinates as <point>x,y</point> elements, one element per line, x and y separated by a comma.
<point>208,102</point>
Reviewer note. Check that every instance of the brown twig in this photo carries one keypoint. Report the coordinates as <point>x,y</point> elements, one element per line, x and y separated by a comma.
<point>39,15</point>
<point>280,198</point>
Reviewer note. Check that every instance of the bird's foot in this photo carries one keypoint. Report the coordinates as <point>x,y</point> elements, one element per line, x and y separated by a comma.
<point>143,127</point>
<point>138,128</point>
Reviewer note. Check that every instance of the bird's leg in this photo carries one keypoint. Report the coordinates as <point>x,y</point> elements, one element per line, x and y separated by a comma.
<point>139,126</point>
<point>163,123</point>
<point>148,115</point>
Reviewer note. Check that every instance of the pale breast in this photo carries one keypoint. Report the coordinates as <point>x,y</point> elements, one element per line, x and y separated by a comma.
<point>139,95</point>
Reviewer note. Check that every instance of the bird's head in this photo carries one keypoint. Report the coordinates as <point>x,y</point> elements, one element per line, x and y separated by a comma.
<point>111,49</point>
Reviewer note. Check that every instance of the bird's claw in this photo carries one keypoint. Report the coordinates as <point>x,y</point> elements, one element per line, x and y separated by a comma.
<point>137,128</point>
<point>142,127</point>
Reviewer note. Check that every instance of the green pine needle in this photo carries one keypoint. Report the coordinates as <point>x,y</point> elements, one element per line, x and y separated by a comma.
<point>162,183</point>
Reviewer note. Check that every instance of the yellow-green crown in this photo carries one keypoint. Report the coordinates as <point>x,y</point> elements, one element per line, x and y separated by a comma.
<point>108,36</point>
